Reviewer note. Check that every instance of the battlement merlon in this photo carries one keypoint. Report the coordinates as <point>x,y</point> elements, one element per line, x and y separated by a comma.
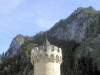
<point>49,52</point>
<point>49,49</point>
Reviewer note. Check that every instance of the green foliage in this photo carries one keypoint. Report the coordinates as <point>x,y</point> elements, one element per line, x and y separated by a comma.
<point>87,67</point>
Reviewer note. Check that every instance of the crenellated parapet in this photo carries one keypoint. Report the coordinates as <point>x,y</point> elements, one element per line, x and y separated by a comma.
<point>48,53</point>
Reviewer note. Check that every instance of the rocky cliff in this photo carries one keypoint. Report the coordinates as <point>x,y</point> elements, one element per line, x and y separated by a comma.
<point>78,36</point>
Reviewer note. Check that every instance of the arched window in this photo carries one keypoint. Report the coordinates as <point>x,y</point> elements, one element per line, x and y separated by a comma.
<point>40,56</point>
<point>60,60</point>
<point>52,57</point>
<point>35,59</point>
<point>46,55</point>
<point>57,59</point>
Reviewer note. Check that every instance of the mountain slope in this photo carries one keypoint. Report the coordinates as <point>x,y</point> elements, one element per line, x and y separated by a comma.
<point>75,27</point>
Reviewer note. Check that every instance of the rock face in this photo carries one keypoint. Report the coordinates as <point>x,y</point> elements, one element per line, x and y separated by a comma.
<point>79,38</point>
<point>15,45</point>
<point>74,28</point>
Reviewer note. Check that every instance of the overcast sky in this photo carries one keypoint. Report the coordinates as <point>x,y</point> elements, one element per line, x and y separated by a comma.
<point>28,17</point>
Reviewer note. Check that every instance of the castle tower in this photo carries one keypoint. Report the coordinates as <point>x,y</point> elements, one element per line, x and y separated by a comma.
<point>46,59</point>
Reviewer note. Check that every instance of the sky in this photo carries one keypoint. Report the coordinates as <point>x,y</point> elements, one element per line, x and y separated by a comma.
<point>29,17</point>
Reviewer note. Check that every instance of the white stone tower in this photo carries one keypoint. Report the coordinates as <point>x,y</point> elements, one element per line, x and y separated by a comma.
<point>46,59</point>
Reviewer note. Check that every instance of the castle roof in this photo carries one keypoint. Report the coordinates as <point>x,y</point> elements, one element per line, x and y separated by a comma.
<point>47,43</point>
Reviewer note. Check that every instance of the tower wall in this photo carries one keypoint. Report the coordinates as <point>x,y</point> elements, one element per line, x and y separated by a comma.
<point>46,68</point>
<point>46,62</point>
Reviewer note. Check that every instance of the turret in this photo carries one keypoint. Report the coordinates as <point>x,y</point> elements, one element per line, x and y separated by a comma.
<point>46,59</point>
